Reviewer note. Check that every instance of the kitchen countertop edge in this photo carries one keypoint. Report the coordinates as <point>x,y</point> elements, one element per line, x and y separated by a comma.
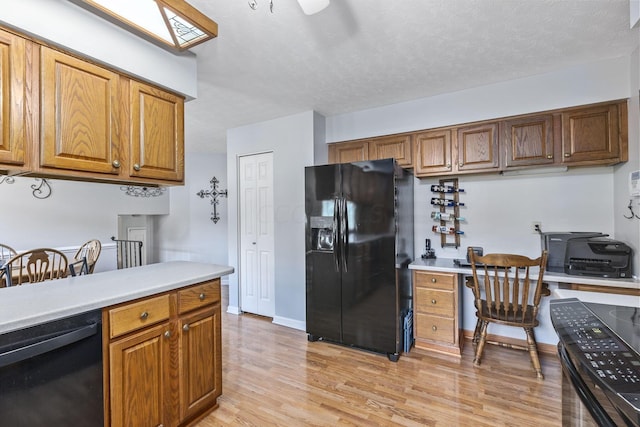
<point>33,304</point>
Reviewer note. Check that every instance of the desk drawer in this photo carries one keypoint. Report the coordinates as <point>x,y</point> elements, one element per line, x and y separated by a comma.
<point>199,296</point>
<point>435,280</point>
<point>434,301</point>
<point>435,328</point>
<point>138,315</point>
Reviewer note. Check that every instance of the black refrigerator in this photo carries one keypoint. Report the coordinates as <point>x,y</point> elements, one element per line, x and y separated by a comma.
<point>359,243</point>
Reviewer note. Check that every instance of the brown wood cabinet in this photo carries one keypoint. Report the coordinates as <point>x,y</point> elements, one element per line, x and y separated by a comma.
<point>16,103</point>
<point>433,152</point>
<point>347,152</point>
<point>157,133</point>
<point>477,147</point>
<point>395,146</point>
<point>436,303</point>
<point>528,141</point>
<point>79,115</point>
<point>164,363</point>
<point>62,116</point>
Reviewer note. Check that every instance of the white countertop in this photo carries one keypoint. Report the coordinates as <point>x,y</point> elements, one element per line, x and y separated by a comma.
<point>32,304</point>
<point>446,265</point>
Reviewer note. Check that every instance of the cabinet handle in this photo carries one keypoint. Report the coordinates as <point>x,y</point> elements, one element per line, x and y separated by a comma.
<point>201,297</point>
<point>433,301</point>
<point>433,280</point>
<point>136,167</point>
<point>448,165</point>
<point>461,164</point>
<point>549,156</point>
<point>115,164</point>
<point>185,327</point>
<point>567,154</point>
<point>434,328</point>
<point>167,334</point>
<point>144,315</point>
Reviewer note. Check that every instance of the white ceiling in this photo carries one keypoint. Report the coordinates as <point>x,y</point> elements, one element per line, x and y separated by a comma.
<point>358,54</point>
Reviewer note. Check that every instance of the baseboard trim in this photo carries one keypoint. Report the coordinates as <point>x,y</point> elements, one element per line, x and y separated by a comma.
<point>542,347</point>
<point>232,309</point>
<point>290,323</point>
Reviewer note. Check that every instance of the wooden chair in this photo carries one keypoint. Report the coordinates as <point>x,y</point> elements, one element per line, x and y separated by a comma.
<point>505,293</point>
<point>84,261</point>
<point>36,265</point>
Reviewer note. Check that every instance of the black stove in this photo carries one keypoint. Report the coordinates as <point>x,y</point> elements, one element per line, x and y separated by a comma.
<point>600,352</point>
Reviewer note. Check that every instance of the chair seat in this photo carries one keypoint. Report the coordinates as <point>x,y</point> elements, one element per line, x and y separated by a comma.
<point>510,316</point>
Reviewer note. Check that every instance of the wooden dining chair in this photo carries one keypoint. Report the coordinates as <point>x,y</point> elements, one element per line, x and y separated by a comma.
<point>84,261</point>
<point>506,292</point>
<point>36,265</point>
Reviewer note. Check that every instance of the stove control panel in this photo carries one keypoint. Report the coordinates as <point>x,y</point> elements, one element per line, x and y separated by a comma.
<point>599,351</point>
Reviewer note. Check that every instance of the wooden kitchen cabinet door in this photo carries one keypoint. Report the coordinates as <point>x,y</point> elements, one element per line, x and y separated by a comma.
<point>157,133</point>
<point>397,147</point>
<point>139,372</point>
<point>478,147</point>
<point>433,153</point>
<point>347,152</point>
<point>528,141</point>
<point>79,115</point>
<point>201,357</point>
<point>16,109</point>
<point>591,134</point>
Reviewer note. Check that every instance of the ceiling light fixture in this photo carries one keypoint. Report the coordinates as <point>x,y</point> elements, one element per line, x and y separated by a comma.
<point>309,7</point>
<point>173,23</point>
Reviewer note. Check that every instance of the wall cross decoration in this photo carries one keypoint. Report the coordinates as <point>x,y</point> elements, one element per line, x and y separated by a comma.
<point>214,193</point>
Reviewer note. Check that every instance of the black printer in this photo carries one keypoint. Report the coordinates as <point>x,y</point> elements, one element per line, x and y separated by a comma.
<point>597,256</point>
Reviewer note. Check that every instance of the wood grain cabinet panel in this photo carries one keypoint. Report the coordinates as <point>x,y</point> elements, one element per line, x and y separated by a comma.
<point>432,153</point>
<point>528,141</point>
<point>591,134</point>
<point>348,152</point>
<point>436,303</point>
<point>478,147</point>
<point>16,109</point>
<point>168,372</point>
<point>79,115</point>
<point>397,147</point>
<point>157,133</point>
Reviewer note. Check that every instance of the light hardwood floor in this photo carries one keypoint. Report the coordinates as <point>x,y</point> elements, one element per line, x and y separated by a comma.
<point>272,376</point>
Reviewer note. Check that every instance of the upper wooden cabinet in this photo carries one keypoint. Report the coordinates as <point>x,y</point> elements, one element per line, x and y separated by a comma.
<point>157,133</point>
<point>16,87</point>
<point>528,141</point>
<point>433,152</point>
<point>396,146</point>
<point>477,147</point>
<point>79,115</point>
<point>595,134</point>
<point>64,117</point>
<point>347,152</point>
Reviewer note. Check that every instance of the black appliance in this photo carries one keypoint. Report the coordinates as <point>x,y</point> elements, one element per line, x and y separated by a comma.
<point>555,243</point>
<point>359,243</point>
<point>599,349</point>
<point>598,256</point>
<point>51,374</point>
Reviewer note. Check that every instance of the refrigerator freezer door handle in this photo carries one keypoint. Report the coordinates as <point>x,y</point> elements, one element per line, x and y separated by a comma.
<point>336,233</point>
<point>344,230</point>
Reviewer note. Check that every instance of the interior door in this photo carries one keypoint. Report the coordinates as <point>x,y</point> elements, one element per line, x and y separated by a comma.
<point>256,234</point>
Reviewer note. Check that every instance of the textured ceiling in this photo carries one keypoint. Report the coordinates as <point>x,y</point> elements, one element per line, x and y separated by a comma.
<point>359,54</point>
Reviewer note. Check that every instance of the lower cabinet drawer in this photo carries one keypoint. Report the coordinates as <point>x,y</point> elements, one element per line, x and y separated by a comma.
<point>199,296</point>
<point>435,328</point>
<point>131,317</point>
<point>434,301</point>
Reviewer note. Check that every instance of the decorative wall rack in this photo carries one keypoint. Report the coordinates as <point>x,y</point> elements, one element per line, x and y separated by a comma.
<point>448,198</point>
<point>214,194</point>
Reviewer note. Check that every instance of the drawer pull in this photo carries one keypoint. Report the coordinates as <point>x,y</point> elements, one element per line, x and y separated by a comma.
<point>144,315</point>
<point>167,334</point>
<point>433,301</point>
<point>433,280</point>
<point>185,328</point>
<point>434,328</point>
<point>201,297</point>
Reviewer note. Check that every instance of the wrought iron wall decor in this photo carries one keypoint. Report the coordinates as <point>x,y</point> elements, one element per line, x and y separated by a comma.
<point>134,191</point>
<point>7,179</point>
<point>214,193</point>
<point>42,190</point>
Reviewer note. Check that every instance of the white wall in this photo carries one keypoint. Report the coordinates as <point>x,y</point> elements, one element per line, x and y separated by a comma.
<point>65,24</point>
<point>291,141</point>
<point>188,233</point>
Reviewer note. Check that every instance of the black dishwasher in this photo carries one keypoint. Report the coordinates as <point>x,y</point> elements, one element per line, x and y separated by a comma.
<point>51,374</point>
